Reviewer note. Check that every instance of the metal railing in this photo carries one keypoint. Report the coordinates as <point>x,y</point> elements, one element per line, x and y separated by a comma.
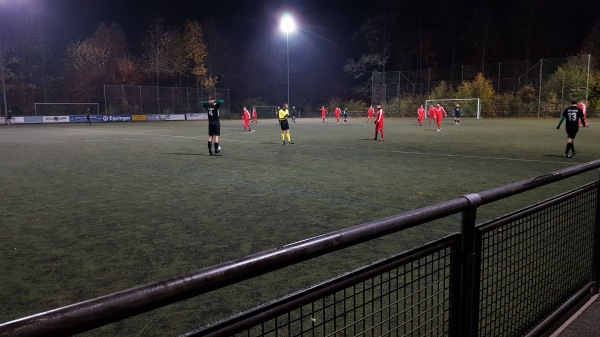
<point>511,276</point>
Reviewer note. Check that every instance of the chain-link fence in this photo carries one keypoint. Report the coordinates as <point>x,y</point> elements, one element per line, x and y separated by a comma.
<point>542,86</point>
<point>132,100</point>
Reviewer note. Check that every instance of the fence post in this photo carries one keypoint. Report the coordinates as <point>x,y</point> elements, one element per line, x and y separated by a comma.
<point>499,74</point>
<point>141,102</point>
<point>587,81</point>
<point>428,81</point>
<point>470,270</point>
<point>540,88</point>
<point>104,89</point>
<point>596,257</point>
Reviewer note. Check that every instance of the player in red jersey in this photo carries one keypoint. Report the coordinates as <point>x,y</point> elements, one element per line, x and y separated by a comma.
<point>246,117</point>
<point>323,113</point>
<point>441,113</point>
<point>337,112</point>
<point>583,108</point>
<point>370,114</point>
<point>421,115</point>
<point>379,118</point>
<point>432,113</point>
<point>254,116</point>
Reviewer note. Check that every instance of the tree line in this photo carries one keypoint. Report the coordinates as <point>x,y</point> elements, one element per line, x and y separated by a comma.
<point>389,35</point>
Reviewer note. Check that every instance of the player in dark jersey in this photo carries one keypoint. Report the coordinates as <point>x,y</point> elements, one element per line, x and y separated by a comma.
<point>87,117</point>
<point>457,113</point>
<point>572,114</point>
<point>214,124</point>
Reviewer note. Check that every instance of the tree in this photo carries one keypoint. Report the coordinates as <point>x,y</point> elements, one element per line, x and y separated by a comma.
<point>591,45</point>
<point>568,82</point>
<point>32,69</point>
<point>220,60</point>
<point>98,60</point>
<point>375,34</point>
<point>156,51</point>
<point>360,69</point>
<point>196,52</point>
<point>442,90</point>
<point>485,34</point>
<point>479,87</point>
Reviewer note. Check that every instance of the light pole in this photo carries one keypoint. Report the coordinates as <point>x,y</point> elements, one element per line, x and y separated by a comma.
<point>287,25</point>
<point>2,76</point>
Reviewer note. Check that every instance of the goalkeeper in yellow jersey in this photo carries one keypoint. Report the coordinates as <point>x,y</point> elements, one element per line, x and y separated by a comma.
<point>285,126</point>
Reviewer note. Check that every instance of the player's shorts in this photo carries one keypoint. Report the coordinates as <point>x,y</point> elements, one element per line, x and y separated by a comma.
<point>214,128</point>
<point>457,114</point>
<point>284,125</point>
<point>572,132</point>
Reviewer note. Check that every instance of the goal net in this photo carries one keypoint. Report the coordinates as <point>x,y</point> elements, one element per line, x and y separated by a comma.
<point>66,109</point>
<point>266,111</point>
<point>471,107</point>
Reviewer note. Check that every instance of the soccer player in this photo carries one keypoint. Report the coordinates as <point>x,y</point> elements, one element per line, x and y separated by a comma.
<point>440,114</point>
<point>583,108</point>
<point>87,117</point>
<point>573,114</point>
<point>285,126</point>
<point>254,116</point>
<point>9,118</point>
<point>421,115</point>
<point>323,113</point>
<point>337,113</point>
<point>246,117</point>
<point>214,124</point>
<point>345,115</point>
<point>370,113</point>
<point>457,113</point>
<point>294,114</point>
<point>379,121</point>
<point>432,113</point>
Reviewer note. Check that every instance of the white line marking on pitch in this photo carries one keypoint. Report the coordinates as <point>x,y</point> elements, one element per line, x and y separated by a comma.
<point>348,148</point>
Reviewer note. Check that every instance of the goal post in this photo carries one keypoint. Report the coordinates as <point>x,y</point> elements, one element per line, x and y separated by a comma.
<point>66,109</point>
<point>471,107</point>
<point>265,111</point>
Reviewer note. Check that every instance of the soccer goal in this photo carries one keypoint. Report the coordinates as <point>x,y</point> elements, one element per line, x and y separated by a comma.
<point>266,111</point>
<point>66,109</point>
<point>471,107</point>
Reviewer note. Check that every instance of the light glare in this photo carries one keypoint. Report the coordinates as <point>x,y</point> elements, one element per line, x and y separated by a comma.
<point>287,23</point>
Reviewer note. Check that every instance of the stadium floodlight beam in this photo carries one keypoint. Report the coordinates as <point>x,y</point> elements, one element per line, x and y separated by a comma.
<point>287,25</point>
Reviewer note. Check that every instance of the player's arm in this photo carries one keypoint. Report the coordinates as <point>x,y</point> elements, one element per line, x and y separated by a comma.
<point>562,118</point>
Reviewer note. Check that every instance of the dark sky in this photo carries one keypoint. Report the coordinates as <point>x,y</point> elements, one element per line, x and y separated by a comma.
<point>323,42</point>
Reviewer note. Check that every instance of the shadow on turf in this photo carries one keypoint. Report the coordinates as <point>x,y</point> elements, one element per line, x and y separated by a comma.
<point>189,154</point>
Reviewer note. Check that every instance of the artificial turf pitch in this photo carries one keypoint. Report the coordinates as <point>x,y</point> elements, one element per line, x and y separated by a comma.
<point>86,211</point>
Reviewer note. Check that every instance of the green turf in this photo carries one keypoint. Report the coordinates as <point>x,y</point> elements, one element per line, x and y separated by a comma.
<point>86,211</point>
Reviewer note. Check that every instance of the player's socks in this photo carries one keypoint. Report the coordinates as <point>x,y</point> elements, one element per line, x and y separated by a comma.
<point>209,146</point>
<point>217,148</point>
<point>283,137</point>
<point>289,138</point>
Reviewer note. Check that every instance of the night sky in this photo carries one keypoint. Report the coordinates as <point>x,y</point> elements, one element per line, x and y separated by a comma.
<point>324,41</point>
